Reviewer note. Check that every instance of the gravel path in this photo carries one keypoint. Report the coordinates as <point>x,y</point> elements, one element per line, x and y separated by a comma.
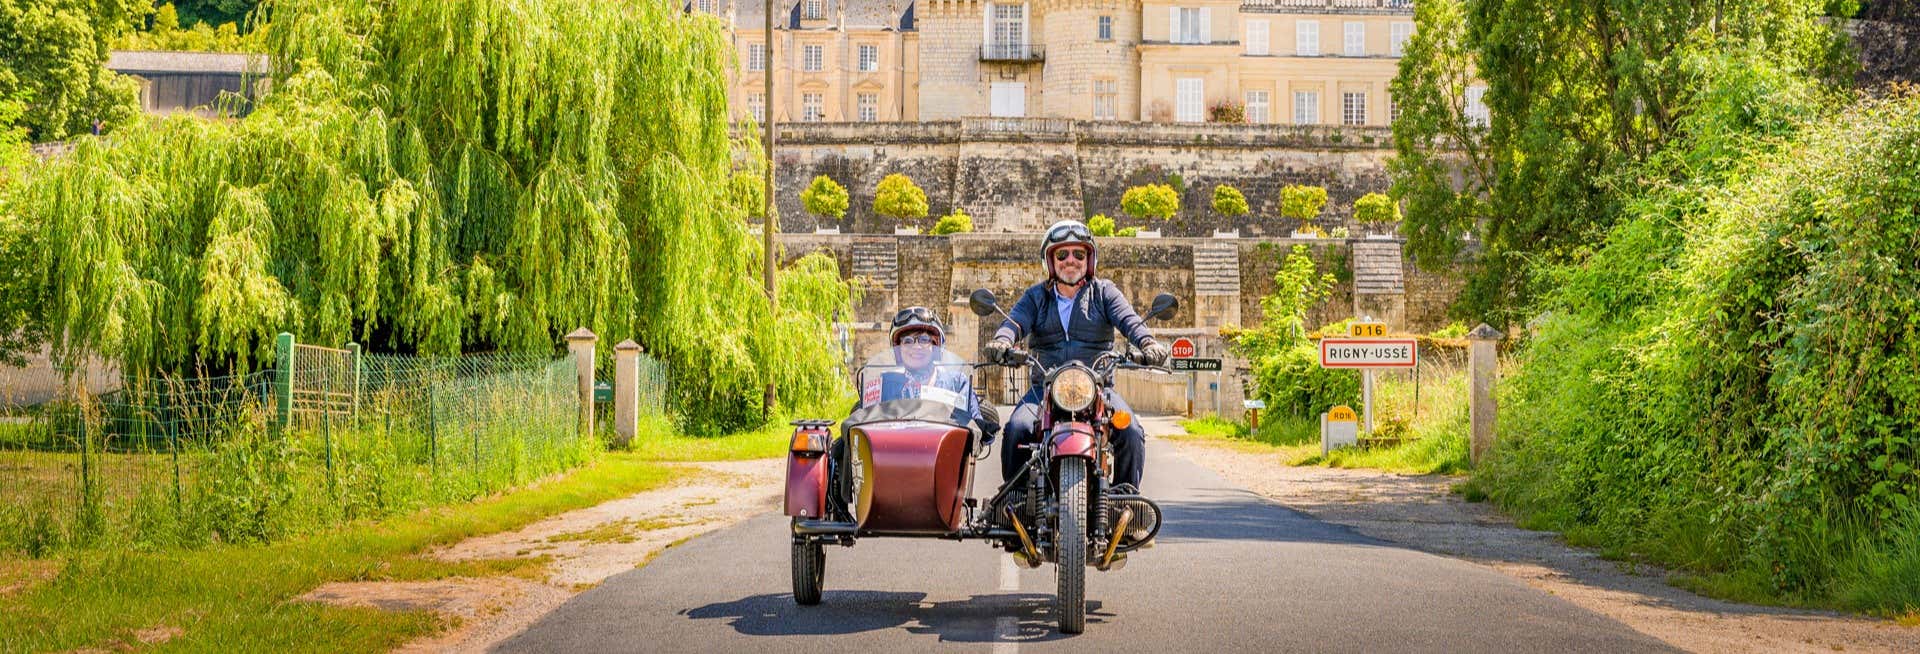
<point>585,547</point>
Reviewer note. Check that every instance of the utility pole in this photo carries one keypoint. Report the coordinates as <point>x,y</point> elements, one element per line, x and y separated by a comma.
<point>768,220</point>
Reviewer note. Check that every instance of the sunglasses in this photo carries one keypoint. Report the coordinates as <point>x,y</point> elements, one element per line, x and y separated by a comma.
<point>919,339</point>
<point>911,314</point>
<point>1077,254</point>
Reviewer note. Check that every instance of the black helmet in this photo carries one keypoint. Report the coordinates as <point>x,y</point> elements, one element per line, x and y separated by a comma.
<point>913,319</point>
<point>1064,233</point>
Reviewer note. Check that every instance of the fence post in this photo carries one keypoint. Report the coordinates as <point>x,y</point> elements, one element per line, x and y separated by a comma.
<point>1482,366</point>
<point>580,345</point>
<point>354,408</point>
<point>626,392</point>
<point>282,380</point>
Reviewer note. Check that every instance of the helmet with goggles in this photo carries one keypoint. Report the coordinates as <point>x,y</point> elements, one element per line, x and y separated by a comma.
<point>920,320</point>
<point>1061,235</point>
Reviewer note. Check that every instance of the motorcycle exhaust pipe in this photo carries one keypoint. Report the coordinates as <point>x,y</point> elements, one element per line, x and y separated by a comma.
<point>1026,544</point>
<point>1113,544</point>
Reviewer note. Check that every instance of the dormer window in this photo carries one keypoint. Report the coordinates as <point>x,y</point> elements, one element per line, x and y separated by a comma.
<point>814,10</point>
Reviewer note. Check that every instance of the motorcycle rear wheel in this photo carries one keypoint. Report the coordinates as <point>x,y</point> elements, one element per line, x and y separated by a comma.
<point>1070,598</point>
<point>809,571</point>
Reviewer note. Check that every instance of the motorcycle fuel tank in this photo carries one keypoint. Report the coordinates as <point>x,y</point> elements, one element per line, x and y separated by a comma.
<point>913,476</point>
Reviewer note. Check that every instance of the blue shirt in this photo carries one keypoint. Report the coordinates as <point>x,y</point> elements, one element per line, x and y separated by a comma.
<point>1063,305</point>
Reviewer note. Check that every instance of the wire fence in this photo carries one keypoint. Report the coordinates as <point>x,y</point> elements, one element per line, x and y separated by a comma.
<point>325,436</point>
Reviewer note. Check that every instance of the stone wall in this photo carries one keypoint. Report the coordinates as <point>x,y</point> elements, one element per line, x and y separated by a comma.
<point>1019,175</point>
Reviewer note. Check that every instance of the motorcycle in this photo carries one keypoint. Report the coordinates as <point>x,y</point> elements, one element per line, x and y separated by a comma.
<point>903,464</point>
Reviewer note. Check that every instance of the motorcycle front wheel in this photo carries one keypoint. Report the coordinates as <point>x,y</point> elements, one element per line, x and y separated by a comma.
<point>1070,599</point>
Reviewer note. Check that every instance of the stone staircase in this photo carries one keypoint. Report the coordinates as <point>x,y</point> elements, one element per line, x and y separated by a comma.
<point>878,260</point>
<point>1377,268</point>
<point>1216,269</point>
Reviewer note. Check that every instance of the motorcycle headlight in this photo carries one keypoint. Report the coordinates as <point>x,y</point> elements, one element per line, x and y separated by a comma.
<point>1073,389</point>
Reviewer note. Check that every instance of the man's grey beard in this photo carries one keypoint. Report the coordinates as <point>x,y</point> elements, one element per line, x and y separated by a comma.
<point>1074,279</point>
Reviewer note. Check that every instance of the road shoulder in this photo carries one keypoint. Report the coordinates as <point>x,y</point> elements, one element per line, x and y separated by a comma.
<point>581,548</point>
<point>1419,511</point>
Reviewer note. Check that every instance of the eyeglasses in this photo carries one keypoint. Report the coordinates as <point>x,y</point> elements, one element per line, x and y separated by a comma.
<point>1074,230</point>
<point>910,314</point>
<point>918,339</point>
<point>1077,254</point>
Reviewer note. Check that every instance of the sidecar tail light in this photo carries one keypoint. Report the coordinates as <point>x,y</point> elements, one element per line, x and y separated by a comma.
<point>809,443</point>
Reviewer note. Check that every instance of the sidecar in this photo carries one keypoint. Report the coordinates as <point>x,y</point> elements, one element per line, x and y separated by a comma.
<point>904,459</point>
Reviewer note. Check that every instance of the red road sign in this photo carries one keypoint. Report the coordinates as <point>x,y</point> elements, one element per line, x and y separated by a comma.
<point>1182,348</point>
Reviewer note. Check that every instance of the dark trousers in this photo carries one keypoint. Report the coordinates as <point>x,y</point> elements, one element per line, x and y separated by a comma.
<point>1129,445</point>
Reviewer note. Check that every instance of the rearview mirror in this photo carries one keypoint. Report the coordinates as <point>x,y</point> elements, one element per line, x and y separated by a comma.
<point>1163,307</point>
<point>982,302</point>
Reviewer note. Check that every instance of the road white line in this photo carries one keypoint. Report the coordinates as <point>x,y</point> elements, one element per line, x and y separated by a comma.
<point>1004,629</point>
<point>1009,575</point>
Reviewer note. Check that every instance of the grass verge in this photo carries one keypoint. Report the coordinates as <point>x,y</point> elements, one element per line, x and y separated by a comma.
<point>1438,446</point>
<point>236,598</point>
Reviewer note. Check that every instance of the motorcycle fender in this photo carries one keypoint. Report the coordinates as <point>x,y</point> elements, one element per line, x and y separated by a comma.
<point>1073,439</point>
<point>806,486</point>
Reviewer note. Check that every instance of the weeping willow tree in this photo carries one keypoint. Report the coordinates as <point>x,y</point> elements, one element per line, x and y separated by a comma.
<point>439,177</point>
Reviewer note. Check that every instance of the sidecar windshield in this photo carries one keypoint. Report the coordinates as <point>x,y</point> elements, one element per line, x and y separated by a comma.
<point>918,381</point>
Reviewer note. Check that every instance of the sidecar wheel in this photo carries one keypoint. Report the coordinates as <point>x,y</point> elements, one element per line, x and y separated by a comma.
<point>1070,554</point>
<point>809,571</point>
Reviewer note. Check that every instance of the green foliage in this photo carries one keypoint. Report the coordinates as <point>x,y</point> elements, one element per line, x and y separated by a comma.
<point>1100,225</point>
<point>1376,209</point>
<point>1177,183</point>
<point>1127,232</point>
<point>1151,202</point>
<point>825,198</point>
<point>444,177</point>
<point>1547,171</point>
<point>243,596</point>
<point>53,56</point>
<point>957,222</point>
<point>1229,201</point>
<point>201,35</point>
<point>1286,365</point>
<point>1727,382</point>
<point>897,197</point>
<point>1301,202</point>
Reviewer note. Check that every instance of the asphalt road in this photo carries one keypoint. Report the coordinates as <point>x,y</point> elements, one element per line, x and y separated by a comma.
<point>1231,571</point>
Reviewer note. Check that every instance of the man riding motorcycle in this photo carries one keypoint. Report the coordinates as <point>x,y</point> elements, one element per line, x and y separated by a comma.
<point>1072,316</point>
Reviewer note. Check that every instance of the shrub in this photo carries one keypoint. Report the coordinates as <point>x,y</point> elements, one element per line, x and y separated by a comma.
<point>957,222</point>
<point>1226,111</point>
<point>825,198</point>
<point>1376,209</point>
<point>1127,232</point>
<point>898,198</point>
<point>1229,201</point>
<point>1151,201</point>
<point>1302,202</point>
<point>1100,225</point>
<point>1293,383</point>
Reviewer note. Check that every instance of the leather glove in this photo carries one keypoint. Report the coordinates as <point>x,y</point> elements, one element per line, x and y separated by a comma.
<point>1153,353</point>
<point>996,350</point>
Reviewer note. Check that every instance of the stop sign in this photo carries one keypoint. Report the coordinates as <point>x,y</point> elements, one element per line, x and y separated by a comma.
<point>1182,348</point>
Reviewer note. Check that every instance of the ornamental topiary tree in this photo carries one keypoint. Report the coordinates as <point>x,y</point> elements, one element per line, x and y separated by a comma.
<point>1229,201</point>
<point>1151,202</point>
<point>898,198</point>
<point>1100,225</point>
<point>825,198</point>
<point>1376,209</point>
<point>957,222</point>
<point>1302,203</point>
